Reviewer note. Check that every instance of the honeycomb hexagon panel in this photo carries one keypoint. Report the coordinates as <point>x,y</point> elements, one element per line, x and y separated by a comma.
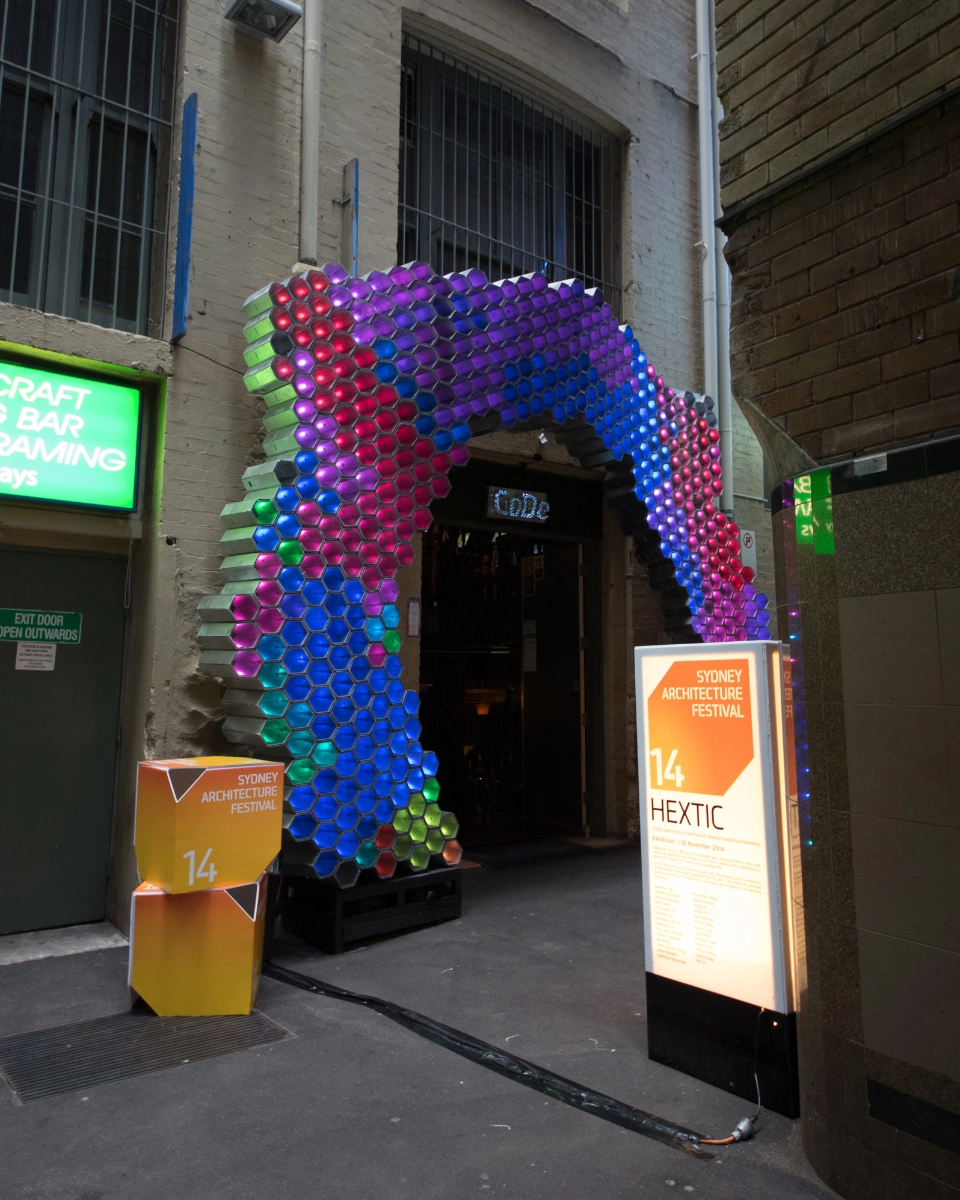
<point>370,385</point>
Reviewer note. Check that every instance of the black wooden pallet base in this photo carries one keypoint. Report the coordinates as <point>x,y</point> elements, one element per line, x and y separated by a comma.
<point>332,918</point>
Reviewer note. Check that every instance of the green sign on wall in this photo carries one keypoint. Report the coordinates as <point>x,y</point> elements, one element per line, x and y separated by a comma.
<point>68,439</point>
<point>40,625</point>
<point>813,506</point>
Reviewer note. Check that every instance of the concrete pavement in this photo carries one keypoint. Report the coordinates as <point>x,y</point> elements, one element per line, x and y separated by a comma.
<point>546,961</point>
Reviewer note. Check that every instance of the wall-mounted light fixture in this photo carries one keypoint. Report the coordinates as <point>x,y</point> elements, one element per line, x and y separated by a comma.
<point>264,18</point>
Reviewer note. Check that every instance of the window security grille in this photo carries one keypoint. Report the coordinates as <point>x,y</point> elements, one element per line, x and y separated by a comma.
<point>494,179</point>
<point>85,99</point>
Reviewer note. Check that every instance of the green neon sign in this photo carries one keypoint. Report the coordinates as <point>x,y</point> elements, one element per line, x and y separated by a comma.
<point>68,439</point>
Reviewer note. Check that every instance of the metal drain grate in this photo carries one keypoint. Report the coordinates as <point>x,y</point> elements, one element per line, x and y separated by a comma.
<point>66,1058</point>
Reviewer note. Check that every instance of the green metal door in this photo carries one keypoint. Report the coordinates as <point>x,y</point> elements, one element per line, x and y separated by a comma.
<point>58,742</point>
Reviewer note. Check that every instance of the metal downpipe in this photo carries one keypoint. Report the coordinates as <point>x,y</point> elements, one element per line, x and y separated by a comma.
<point>310,133</point>
<point>714,277</point>
<point>724,383</point>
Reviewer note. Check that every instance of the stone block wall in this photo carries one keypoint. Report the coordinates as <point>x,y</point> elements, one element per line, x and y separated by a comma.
<point>803,80</point>
<point>876,671</point>
<point>845,316</point>
<point>841,193</point>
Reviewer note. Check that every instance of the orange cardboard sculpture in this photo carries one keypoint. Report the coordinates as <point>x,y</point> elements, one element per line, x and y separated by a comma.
<point>207,822</point>
<point>206,830</point>
<point>197,953</point>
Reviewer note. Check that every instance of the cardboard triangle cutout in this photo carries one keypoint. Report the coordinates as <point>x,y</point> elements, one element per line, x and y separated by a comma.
<point>182,780</point>
<point>245,894</point>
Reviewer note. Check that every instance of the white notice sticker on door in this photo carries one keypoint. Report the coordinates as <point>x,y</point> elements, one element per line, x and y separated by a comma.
<point>32,657</point>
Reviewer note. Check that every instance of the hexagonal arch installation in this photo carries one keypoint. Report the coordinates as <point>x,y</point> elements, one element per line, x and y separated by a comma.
<point>369,386</point>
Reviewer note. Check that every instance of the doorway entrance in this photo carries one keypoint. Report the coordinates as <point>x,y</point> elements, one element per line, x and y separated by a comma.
<point>503,680</point>
<point>58,742</point>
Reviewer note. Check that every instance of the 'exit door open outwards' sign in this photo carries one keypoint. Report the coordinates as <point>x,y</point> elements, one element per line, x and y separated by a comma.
<point>40,625</point>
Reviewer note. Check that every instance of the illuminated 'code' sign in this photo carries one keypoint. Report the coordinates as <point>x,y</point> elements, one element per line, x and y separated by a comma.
<point>517,505</point>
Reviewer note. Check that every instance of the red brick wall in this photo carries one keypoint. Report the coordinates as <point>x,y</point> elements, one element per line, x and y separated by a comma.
<point>847,296</point>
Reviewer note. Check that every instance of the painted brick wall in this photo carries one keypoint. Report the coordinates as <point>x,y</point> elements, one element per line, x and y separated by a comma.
<point>245,226</point>
<point>626,68</point>
<point>630,73</point>
<point>801,80</point>
<point>627,71</point>
<point>846,314</point>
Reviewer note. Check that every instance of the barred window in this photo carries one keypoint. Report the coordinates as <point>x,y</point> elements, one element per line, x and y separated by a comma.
<point>85,130</point>
<point>493,178</point>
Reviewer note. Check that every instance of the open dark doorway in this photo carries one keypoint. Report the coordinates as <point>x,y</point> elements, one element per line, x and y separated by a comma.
<point>502,680</point>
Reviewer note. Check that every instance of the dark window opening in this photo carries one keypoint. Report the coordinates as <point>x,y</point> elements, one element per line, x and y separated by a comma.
<point>495,179</point>
<point>85,133</point>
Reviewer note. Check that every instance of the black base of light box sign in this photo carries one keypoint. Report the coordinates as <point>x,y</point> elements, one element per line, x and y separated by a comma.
<point>717,1039</point>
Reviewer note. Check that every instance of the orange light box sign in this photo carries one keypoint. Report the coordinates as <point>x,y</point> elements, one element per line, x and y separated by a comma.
<point>197,954</point>
<point>206,823</point>
<point>699,713</point>
<point>713,819</point>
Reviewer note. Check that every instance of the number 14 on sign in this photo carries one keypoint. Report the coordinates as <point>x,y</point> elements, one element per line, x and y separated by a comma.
<point>672,774</point>
<point>206,870</point>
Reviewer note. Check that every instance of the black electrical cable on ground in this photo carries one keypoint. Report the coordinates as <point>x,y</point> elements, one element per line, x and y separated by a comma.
<point>745,1127</point>
<point>517,1069</point>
